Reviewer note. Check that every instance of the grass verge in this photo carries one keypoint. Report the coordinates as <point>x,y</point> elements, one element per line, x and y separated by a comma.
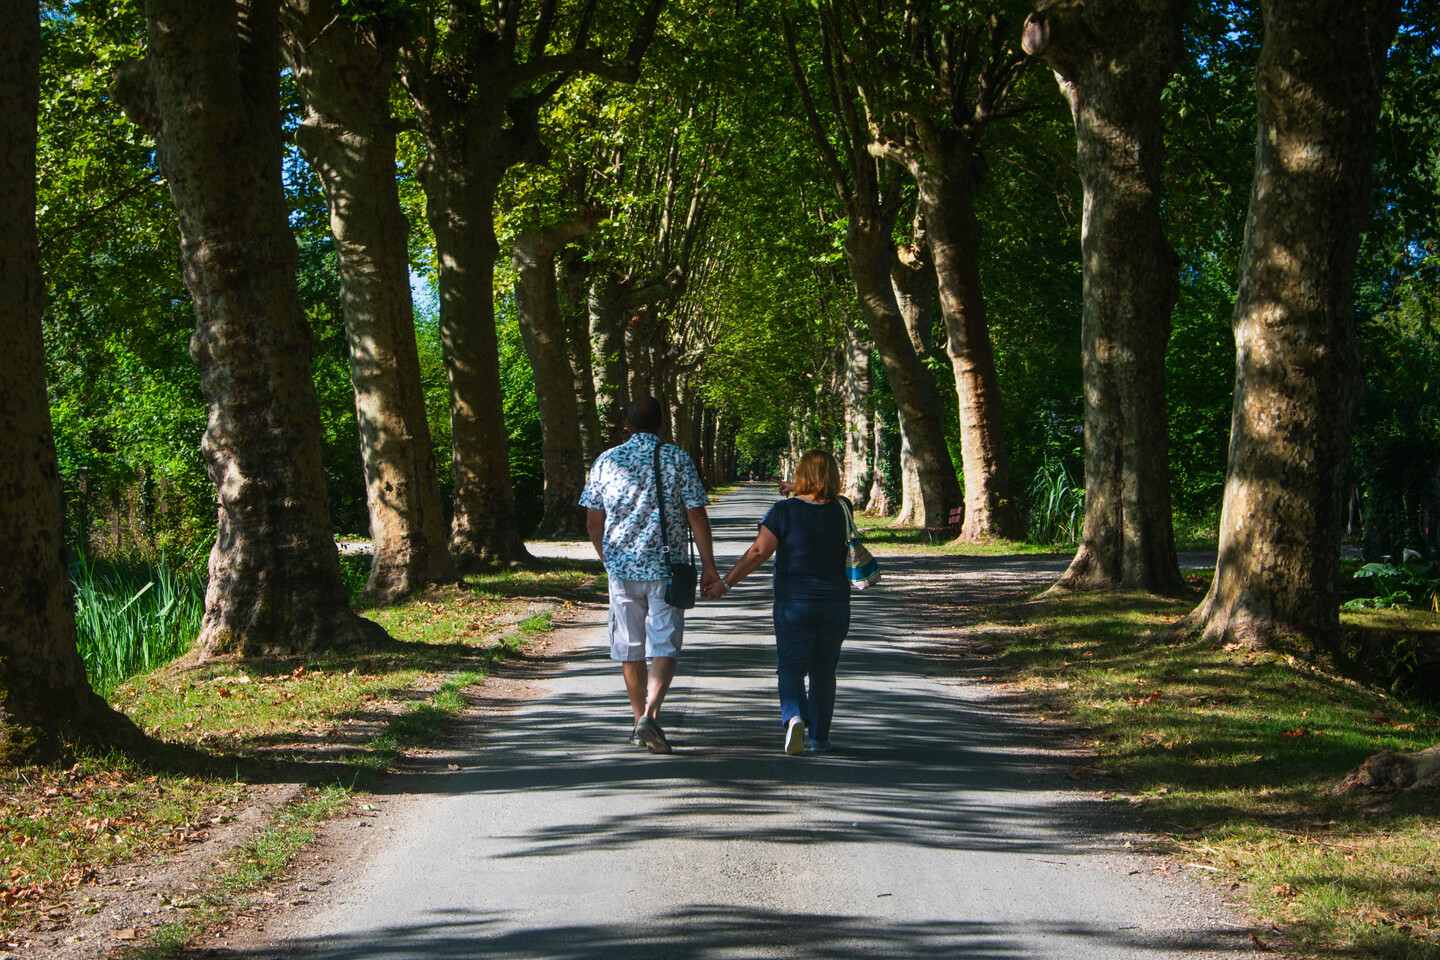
<point>1233,754</point>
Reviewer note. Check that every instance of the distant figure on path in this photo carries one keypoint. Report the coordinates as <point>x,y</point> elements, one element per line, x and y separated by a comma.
<point>624,523</point>
<point>812,595</point>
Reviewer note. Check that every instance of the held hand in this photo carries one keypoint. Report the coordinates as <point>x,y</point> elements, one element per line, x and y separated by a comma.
<point>711,586</point>
<point>785,487</point>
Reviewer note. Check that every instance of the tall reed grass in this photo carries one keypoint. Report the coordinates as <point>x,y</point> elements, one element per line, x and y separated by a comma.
<point>1057,506</point>
<point>132,617</point>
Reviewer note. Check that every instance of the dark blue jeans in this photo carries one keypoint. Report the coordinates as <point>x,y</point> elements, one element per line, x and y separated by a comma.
<point>808,635</point>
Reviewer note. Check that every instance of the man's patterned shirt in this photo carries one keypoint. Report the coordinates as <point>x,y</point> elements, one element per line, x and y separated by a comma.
<point>622,483</point>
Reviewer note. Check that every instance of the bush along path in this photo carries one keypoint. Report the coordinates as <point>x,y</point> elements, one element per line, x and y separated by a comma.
<point>142,855</point>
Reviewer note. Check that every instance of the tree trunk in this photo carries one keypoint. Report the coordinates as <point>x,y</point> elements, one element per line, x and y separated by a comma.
<point>460,184</point>
<point>952,233</point>
<point>209,93</point>
<point>879,504</point>
<point>44,697</point>
<point>612,378</point>
<point>639,359</point>
<point>1112,61</point>
<point>912,274</point>
<point>344,72</point>
<point>571,276</point>
<point>869,251</point>
<point>1318,95</point>
<point>859,420</point>
<point>537,303</point>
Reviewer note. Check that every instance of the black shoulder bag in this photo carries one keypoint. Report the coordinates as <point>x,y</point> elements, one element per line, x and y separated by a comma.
<point>680,579</point>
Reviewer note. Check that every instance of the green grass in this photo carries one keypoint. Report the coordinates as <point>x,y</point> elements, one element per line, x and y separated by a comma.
<point>131,617</point>
<point>1233,753</point>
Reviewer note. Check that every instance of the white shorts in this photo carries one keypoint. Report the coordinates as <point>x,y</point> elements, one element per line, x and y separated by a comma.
<point>642,624</point>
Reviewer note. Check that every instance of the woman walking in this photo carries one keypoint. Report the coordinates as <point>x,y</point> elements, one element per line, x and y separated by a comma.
<point>807,534</point>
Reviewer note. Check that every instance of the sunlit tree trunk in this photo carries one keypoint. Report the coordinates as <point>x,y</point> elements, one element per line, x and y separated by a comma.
<point>45,700</point>
<point>870,252</point>
<point>952,233</point>
<point>912,274</point>
<point>209,93</point>
<point>879,504</point>
<point>1318,84</point>
<point>859,420</point>
<point>344,70</point>
<point>537,303</point>
<point>1112,60</point>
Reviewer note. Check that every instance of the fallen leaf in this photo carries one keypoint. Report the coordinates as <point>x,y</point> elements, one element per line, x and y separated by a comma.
<point>127,934</point>
<point>1284,890</point>
<point>1261,944</point>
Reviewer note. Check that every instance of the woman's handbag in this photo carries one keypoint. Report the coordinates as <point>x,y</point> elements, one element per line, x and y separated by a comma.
<point>680,580</point>
<point>862,569</point>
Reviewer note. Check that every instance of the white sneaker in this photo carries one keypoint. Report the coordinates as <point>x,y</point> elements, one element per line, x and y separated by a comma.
<point>795,737</point>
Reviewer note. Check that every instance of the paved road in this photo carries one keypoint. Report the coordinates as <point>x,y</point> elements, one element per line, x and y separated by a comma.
<point>934,830</point>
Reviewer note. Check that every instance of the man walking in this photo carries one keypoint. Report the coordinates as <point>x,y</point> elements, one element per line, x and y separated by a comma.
<point>624,521</point>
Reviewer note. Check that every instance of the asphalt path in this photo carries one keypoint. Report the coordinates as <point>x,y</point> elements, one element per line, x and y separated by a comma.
<point>940,827</point>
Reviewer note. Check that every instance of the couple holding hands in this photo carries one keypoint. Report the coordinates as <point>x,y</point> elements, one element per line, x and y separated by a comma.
<point>807,534</point>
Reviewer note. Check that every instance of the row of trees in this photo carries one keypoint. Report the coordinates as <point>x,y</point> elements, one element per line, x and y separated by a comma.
<point>787,225</point>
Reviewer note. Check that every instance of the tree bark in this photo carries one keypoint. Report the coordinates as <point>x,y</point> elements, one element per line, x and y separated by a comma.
<point>209,93</point>
<point>612,377</point>
<point>859,420</point>
<point>571,276</point>
<point>952,232</point>
<point>537,303</point>
<point>1112,60</point>
<point>869,251</point>
<point>879,504</point>
<point>1318,86</point>
<point>912,274</point>
<point>45,700</point>
<point>464,166</point>
<point>344,71</point>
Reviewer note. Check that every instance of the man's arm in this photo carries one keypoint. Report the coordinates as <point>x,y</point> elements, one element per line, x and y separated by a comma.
<point>595,523</point>
<point>700,526</point>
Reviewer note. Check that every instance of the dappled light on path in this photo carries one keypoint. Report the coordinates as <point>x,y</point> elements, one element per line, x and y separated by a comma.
<point>936,828</point>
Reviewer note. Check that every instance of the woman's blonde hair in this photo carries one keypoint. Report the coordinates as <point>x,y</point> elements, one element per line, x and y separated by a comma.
<point>818,475</point>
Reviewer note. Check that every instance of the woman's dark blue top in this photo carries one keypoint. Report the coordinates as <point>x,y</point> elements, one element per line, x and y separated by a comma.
<point>810,561</point>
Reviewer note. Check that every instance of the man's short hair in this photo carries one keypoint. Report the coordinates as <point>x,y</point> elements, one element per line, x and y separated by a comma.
<point>644,415</point>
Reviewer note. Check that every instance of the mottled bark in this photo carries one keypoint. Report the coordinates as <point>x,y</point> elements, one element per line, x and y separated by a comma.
<point>869,251</point>
<point>879,504</point>
<point>45,700</point>
<point>209,94</point>
<point>463,169</point>
<point>912,274</point>
<point>952,232</point>
<point>571,284</point>
<point>344,71</point>
<point>1318,96</point>
<point>537,303</point>
<point>612,378</point>
<point>858,467</point>
<point>1112,59</point>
